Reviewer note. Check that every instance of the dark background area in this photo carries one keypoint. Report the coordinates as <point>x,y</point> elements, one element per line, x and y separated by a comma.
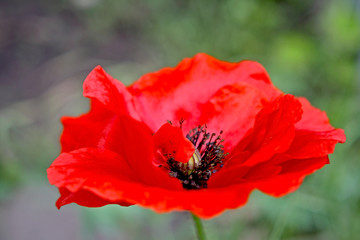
<point>310,48</point>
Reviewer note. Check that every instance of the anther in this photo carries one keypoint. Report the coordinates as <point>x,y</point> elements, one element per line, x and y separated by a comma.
<point>206,160</point>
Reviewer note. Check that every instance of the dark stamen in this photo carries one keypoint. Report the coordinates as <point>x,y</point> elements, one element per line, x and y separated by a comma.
<point>181,122</point>
<point>207,159</point>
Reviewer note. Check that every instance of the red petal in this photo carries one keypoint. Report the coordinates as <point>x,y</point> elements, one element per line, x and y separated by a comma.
<point>291,177</point>
<point>170,142</point>
<point>93,170</point>
<point>87,129</point>
<point>273,132</point>
<point>284,172</point>
<point>93,178</point>
<point>312,118</point>
<point>112,93</point>
<point>309,144</point>
<point>205,203</point>
<point>121,134</point>
<point>315,137</point>
<point>161,94</point>
<point>232,109</point>
<point>84,198</point>
<point>106,175</point>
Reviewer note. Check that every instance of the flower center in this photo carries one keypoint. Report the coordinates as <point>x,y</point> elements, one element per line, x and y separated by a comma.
<point>206,160</point>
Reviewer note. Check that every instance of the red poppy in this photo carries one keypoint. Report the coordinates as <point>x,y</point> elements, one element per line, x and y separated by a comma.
<point>198,137</point>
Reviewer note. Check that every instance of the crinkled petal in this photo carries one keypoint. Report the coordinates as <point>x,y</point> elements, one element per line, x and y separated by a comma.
<point>103,173</point>
<point>205,203</point>
<point>306,150</point>
<point>243,174</point>
<point>94,178</point>
<point>232,109</point>
<point>91,170</point>
<point>292,175</point>
<point>110,92</point>
<point>276,133</point>
<point>127,137</point>
<point>273,133</point>
<point>312,119</point>
<point>84,198</point>
<point>170,142</point>
<point>315,137</point>
<point>86,130</point>
<point>310,144</point>
<point>177,93</point>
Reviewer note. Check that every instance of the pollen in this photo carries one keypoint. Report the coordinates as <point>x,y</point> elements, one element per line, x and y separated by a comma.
<point>206,160</point>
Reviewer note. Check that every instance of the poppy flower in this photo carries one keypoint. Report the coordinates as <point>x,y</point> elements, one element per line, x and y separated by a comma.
<point>199,137</point>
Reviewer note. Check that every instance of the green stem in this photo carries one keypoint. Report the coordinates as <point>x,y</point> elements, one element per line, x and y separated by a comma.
<point>199,227</point>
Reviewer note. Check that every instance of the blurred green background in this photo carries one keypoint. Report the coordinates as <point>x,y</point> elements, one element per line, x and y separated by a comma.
<point>310,48</point>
